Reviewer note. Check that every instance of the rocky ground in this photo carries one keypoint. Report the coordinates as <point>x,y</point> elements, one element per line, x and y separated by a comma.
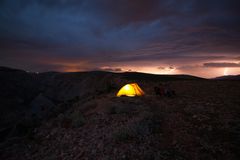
<point>201,122</point>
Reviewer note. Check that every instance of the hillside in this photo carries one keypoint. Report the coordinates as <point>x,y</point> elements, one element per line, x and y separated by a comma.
<point>78,116</point>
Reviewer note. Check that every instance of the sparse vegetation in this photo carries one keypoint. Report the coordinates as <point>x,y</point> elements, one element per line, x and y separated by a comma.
<point>121,108</point>
<point>74,119</point>
<point>73,100</point>
<point>235,136</point>
<point>167,154</point>
<point>148,125</point>
<point>124,134</point>
<point>77,119</point>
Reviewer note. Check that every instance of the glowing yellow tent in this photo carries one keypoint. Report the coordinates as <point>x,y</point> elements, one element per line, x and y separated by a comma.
<point>130,90</point>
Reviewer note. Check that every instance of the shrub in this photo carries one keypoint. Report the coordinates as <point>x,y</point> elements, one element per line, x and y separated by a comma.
<point>148,125</point>
<point>74,119</point>
<point>235,136</point>
<point>77,119</point>
<point>167,154</point>
<point>110,109</point>
<point>121,109</point>
<point>73,100</point>
<point>124,134</point>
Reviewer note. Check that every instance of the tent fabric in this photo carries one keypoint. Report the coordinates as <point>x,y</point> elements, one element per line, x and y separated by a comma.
<point>130,90</point>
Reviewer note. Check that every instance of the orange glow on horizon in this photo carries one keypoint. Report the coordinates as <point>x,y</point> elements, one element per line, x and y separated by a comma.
<point>152,68</point>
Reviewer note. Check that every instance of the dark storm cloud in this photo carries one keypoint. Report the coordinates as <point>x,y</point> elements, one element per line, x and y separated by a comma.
<point>225,64</point>
<point>107,31</point>
<point>110,69</point>
<point>166,68</point>
<point>121,11</point>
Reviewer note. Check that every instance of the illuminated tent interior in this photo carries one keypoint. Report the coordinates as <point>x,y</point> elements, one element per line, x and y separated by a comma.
<point>130,90</point>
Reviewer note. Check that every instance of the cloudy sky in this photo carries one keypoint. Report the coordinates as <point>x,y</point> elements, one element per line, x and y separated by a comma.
<point>198,37</point>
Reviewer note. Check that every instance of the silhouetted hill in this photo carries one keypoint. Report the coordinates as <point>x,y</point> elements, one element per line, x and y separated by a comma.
<point>230,77</point>
<point>7,69</point>
<point>155,77</point>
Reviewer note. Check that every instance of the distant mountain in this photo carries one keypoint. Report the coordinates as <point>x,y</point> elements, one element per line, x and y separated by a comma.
<point>7,69</point>
<point>158,77</point>
<point>230,77</point>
